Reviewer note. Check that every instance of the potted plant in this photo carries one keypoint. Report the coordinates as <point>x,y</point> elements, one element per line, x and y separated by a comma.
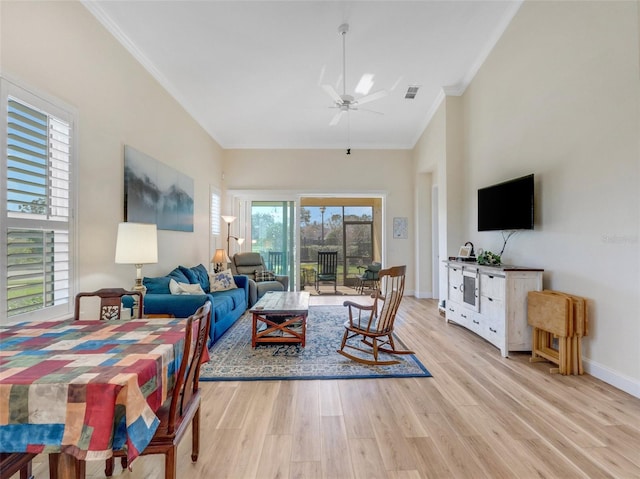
<point>489,258</point>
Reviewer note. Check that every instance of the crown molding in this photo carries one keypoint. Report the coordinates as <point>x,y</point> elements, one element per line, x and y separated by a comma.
<point>460,88</point>
<point>489,45</point>
<point>94,8</point>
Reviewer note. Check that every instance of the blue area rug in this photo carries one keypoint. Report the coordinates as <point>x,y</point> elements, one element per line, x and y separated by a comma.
<point>233,358</point>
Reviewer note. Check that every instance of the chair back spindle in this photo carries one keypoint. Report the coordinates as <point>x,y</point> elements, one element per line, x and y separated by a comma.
<point>393,287</point>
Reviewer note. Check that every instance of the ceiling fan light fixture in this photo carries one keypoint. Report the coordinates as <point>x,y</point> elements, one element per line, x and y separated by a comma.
<point>365,84</point>
<point>345,102</point>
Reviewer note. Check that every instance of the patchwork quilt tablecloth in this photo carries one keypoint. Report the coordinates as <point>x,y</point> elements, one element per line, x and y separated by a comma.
<point>85,388</point>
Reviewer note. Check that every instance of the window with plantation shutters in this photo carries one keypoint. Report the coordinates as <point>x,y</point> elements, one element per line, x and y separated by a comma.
<point>37,220</point>
<point>215,211</point>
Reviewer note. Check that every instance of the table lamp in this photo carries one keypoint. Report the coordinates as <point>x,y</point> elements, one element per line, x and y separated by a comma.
<point>220,257</point>
<point>137,244</point>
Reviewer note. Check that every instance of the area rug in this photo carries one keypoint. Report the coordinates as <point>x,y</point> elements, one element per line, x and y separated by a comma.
<point>233,358</point>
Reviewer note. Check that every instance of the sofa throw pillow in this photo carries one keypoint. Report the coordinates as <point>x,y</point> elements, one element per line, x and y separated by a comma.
<point>184,288</point>
<point>157,285</point>
<point>178,276</point>
<point>264,276</point>
<point>197,274</point>
<point>222,281</point>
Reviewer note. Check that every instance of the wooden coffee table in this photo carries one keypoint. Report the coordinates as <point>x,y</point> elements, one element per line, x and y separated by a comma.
<point>280,317</point>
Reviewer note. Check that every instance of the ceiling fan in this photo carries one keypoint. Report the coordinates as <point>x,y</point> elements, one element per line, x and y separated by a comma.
<point>345,102</point>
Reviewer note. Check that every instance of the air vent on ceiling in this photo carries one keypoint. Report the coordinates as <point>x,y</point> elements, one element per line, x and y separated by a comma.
<point>412,91</point>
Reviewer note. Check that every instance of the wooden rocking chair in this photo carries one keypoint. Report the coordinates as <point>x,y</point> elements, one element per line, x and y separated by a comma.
<point>327,271</point>
<point>374,322</point>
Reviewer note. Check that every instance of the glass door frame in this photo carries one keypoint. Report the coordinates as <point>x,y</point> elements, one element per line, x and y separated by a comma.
<point>346,263</point>
<point>286,242</point>
<point>238,203</point>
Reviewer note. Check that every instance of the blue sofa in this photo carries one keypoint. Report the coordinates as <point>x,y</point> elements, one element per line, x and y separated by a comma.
<point>227,306</point>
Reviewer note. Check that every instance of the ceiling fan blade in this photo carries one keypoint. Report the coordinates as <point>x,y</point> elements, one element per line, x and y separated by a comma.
<point>332,93</point>
<point>369,111</point>
<point>336,118</point>
<point>372,96</point>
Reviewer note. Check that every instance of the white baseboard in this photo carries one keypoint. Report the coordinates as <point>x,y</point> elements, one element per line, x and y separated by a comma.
<point>424,294</point>
<point>609,376</point>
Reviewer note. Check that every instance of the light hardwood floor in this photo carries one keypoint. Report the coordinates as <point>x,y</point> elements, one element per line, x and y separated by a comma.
<point>479,416</point>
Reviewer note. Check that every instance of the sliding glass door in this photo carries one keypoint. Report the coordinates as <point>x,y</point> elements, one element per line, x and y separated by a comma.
<point>345,229</point>
<point>273,235</point>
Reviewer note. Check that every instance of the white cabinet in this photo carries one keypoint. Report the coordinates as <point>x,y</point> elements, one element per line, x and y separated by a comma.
<point>491,301</point>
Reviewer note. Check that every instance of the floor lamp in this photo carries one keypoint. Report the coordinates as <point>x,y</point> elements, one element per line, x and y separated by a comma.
<point>229,220</point>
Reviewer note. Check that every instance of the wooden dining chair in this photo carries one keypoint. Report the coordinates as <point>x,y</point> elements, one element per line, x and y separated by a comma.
<point>13,462</point>
<point>111,300</point>
<point>374,323</point>
<point>183,407</point>
<point>109,307</point>
<point>178,411</point>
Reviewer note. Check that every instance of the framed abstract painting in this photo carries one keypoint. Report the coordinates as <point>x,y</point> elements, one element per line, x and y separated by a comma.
<point>156,193</point>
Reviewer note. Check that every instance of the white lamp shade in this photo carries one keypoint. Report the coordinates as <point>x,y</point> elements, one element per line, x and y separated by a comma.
<point>220,256</point>
<point>137,243</point>
<point>228,219</point>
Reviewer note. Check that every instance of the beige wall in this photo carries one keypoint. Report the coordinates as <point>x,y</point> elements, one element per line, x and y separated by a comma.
<point>332,172</point>
<point>68,55</point>
<point>559,97</point>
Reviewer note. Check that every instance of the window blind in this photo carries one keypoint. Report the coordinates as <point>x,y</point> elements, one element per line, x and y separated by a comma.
<point>38,210</point>
<point>215,212</point>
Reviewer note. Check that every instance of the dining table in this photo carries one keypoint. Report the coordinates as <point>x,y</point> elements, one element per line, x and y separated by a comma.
<point>85,388</point>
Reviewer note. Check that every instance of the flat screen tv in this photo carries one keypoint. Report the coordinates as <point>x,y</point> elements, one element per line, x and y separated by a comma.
<point>507,205</point>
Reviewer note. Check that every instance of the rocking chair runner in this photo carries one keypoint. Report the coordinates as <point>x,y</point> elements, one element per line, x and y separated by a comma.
<point>375,322</point>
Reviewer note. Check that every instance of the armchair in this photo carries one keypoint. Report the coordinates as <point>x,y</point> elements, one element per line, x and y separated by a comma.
<point>249,264</point>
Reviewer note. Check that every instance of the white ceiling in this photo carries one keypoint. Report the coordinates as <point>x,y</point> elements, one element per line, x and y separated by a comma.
<point>250,71</point>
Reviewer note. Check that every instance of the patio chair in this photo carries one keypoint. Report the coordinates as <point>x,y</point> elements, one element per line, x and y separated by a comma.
<point>327,270</point>
<point>374,323</point>
<point>369,277</point>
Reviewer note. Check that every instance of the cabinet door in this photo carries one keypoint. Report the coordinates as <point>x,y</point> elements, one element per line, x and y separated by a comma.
<point>455,284</point>
<point>493,321</point>
<point>492,286</point>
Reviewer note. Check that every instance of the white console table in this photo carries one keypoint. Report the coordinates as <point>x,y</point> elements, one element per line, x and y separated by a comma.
<point>491,301</point>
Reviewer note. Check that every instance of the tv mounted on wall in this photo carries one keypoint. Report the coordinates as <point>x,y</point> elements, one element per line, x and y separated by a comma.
<point>507,205</point>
